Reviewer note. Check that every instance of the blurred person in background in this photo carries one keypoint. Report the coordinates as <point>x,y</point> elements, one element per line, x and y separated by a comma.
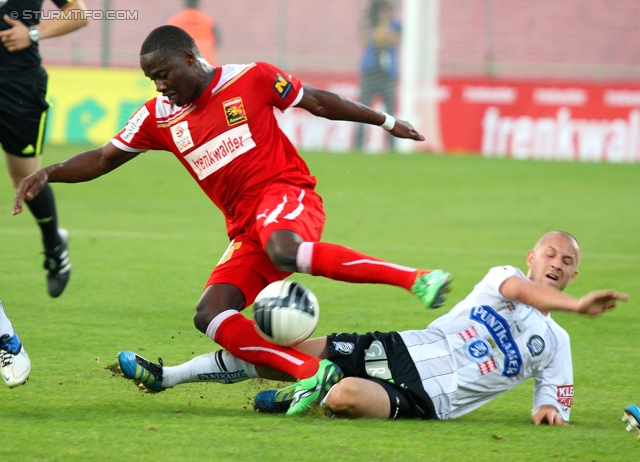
<point>201,27</point>
<point>380,36</point>
<point>23,115</point>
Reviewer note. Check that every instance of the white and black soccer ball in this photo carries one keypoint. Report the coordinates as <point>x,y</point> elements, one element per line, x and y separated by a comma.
<point>286,313</point>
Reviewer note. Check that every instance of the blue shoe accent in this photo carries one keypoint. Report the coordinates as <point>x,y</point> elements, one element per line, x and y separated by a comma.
<point>632,418</point>
<point>138,369</point>
<point>274,401</point>
<point>10,344</point>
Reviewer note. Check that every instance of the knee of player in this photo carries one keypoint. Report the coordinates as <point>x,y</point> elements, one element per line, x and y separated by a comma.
<point>282,254</point>
<point>342,396</point>
<point>202,317</point>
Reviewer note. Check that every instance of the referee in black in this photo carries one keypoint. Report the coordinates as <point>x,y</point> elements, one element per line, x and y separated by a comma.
<point>23,114</point>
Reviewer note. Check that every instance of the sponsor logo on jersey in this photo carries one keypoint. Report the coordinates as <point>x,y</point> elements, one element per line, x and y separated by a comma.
<point>229,377</point>
<point>134,124</point>
<point>343,347</point>
<point>535,345</point>
<point>477,350</point>
<point>220,151</point>
<point>234,111</point>
<point>182,136</point>
<point>565,395</point>
<point>282,86</point>
<point>499,330</point>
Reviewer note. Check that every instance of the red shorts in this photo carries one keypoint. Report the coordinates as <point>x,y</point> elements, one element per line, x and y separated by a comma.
<point>245,264</point>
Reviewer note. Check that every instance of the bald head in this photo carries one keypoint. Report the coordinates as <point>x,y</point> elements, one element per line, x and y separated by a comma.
<point>563,235</point>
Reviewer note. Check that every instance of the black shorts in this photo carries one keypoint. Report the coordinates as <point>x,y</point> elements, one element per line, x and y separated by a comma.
<point>23,112</point>
<point>383,358</point>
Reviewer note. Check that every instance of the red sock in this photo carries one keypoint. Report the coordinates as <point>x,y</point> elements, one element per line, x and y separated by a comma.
<point>238,335</point>
<point>343,264</point>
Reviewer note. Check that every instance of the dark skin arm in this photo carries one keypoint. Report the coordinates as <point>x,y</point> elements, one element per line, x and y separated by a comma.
<point>85,166</point>
<point>332,106</point>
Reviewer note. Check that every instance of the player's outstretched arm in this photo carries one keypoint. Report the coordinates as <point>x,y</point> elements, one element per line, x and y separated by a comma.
<point>546,298</point>
<point>332,106</point>
<point>549,414</point>
<point>82,167</point>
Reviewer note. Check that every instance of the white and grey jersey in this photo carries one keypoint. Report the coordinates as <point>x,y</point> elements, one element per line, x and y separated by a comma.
<point>487,345</point>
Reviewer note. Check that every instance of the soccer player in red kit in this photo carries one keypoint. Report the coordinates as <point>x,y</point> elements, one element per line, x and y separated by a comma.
<point>219,122</point>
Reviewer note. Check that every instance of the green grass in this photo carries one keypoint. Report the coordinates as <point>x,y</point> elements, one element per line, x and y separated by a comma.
<point>144,240</point>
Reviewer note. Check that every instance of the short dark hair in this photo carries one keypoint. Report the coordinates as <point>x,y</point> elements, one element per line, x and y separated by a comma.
<point>169,39</point>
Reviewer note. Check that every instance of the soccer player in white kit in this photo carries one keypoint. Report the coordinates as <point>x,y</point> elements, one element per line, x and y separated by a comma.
<point>500,335</point>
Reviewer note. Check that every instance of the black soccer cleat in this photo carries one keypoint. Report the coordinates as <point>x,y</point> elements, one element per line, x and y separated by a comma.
<point>58,266</point>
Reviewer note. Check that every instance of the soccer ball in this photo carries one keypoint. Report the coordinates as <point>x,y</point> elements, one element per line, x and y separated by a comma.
<point>286,313</point>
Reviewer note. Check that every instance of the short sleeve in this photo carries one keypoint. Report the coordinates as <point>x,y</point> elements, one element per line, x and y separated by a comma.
<point>496,276</point>
<point>140,132</point>
<point>283,90</point>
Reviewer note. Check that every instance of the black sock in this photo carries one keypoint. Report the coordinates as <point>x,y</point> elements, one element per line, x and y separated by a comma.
<point>43,208</point>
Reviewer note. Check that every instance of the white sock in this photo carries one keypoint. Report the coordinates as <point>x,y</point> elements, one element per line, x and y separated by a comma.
<point>219,366</point>
<point>5,324</point>
<point>303,257</point>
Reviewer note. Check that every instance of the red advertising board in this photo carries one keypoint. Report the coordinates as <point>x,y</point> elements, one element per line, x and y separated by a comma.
<point>572,121</point>
<point>524,120</point>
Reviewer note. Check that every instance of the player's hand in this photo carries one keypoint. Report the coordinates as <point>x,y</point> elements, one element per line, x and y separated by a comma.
<point>403,129</point>
<point>549,414</point>
<point>599,301</point>
<point>16,38</point>
<point>29,188</point>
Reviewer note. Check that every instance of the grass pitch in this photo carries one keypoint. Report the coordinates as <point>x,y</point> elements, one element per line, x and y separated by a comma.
<point>143,240</point>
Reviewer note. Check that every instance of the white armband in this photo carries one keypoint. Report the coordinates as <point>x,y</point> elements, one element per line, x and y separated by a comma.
<point>389,122</point>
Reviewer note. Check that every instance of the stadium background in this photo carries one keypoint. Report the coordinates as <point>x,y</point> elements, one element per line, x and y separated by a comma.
<point>527,79</point>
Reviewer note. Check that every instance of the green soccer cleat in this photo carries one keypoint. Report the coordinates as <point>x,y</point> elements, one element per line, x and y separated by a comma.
<point>274,401</point>
<point>313,389</point>
<point>432,287</point>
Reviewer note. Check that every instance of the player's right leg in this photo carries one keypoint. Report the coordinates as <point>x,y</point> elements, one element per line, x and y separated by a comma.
<point>14,361</point>
<point>290,227</point>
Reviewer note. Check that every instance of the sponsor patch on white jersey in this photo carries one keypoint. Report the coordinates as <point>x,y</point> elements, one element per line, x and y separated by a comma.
<point>182,136</point>
<point>478,350</point>
<point>134,124</point>
<point>220,151</point>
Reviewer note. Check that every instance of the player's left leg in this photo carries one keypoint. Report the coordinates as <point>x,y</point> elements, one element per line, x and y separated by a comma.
<point>290,226</point>
<point>354,397</point>
<point>219,367</point>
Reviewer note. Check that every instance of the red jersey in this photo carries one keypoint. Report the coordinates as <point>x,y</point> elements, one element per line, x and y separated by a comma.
<point>228,138</point>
